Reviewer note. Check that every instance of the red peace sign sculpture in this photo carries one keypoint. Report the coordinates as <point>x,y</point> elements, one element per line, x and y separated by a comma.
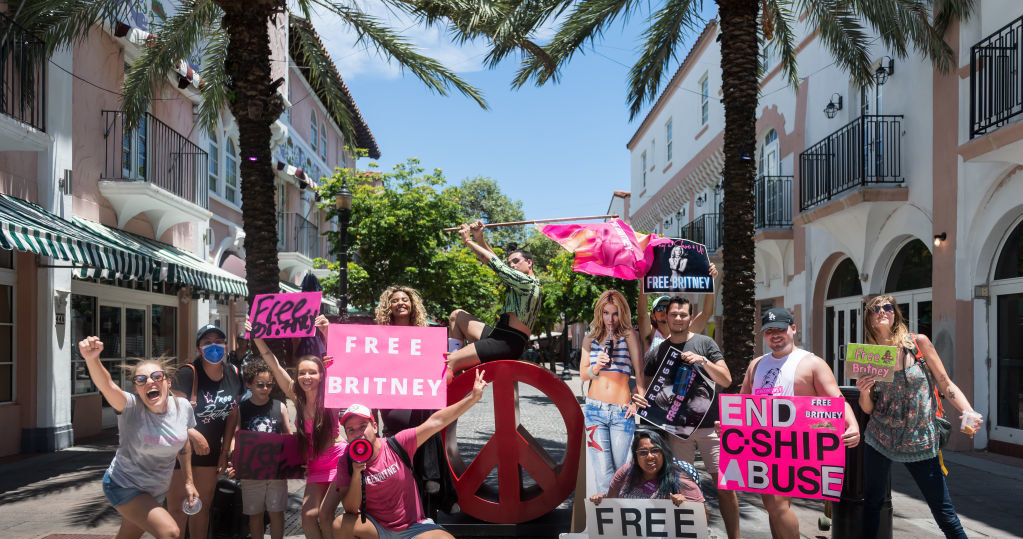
<point>512,448</point>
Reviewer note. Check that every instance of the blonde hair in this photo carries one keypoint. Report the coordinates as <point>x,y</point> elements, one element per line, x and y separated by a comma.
<point>597,329</point>
<point>899,332</point>
<point>383,311</point>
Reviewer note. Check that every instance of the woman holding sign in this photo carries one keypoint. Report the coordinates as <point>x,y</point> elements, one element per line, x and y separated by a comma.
<point>614,357</point>
<point>901,426</point>
<point>319,431</point>
<point>654,473</point>
<point>154,427</point>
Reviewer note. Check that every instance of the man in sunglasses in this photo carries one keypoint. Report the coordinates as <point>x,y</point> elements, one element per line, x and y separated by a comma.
<point>791,371</point>
<point>508,339</point>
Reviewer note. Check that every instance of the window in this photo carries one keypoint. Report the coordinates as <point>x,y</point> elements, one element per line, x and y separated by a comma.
<point>163,327</point>
<point>214,165</point>
<point>83,324</point>
<point>769,165</point>
<point>6,343</point>
<point>667,141</point>
<point>704,100</point>
<point>643,161</point>
<point>230,172</point>
<point>323,140</point>
<point>312,130</point>
<point>653,153</point>
<point>133,146</point>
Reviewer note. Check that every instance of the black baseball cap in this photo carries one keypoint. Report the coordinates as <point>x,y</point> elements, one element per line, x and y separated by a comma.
<point>207,329</point>
<point>776,318</point>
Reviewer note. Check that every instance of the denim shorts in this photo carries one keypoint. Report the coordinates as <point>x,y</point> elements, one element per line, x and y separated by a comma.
<point>118,495</point>
<point>407,533</point>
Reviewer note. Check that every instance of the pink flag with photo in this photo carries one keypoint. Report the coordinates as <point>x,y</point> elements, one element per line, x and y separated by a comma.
<point>612,248</point>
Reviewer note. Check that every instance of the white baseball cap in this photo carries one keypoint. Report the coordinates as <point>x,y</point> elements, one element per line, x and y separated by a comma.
<point>357,410</point>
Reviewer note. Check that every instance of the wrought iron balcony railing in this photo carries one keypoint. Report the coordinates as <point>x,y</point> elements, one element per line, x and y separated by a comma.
<point>774,202</point>
<point>156,154</point>
<point>296,234</point>
<point>866,151</point>
<point>996,82</point>
<point>23,70</point>
<point>705,229</point>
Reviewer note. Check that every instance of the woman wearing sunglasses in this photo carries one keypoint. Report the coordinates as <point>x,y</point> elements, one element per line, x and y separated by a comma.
<point>213,387</point>
<point>154,430</point>
<point>901,426</point>
<point>654,473</point>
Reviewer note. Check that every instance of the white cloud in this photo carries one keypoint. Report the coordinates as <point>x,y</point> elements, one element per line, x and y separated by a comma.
<point>362,59</point>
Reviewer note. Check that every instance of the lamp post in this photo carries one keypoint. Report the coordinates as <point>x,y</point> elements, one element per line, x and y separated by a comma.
<point>343,203</point>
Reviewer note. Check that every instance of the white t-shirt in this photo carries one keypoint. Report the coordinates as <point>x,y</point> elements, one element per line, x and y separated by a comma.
<point>777,376</point>
<point>149,444</point>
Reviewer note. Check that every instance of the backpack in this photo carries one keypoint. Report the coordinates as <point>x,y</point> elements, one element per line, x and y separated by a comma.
<point>226,518</point>
<point>195,380</point>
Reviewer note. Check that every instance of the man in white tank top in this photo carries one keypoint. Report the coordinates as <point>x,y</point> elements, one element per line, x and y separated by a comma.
<point>791,371</point>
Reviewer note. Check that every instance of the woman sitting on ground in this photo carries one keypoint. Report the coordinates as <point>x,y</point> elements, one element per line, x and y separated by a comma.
<point>654,473</point>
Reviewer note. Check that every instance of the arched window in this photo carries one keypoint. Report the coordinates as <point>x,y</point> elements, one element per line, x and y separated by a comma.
<point>845,281</point>
<point>214,159</point>
<point>313,130</point>
<point>1010,261</point>
<point>230,172</point>
<point>769,163</point>
<point>911,268</point>
<point>323,140</point>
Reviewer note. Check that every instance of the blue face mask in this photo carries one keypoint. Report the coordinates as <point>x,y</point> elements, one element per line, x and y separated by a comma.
<point>214,353</point>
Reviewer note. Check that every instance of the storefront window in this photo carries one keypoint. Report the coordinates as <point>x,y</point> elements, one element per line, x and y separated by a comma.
<point>6,343</point>
<point>164,326</point>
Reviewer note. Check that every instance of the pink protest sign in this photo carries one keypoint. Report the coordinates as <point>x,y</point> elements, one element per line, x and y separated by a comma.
<point>278,316</point>
<point>266,455</point>
<point>395,367</point>
<point>790,446</point>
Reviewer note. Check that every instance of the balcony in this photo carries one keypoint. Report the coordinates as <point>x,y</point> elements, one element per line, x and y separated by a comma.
<point>774,202</point>
<point>153,170</point>
<point>298,242</point>
<point>866,152</point>
<point>996,82</point>
<point>23,63</point>
<point>705,229</point>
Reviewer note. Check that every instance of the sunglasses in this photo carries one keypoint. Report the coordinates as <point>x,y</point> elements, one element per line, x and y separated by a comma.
<point>157,376</point>
<point>264,385</point>
<point>514,261</point>
<point>887,307</point>
<point>648,452</point>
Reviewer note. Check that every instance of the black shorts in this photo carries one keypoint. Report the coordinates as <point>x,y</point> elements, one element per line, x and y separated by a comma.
<point>501,341</point>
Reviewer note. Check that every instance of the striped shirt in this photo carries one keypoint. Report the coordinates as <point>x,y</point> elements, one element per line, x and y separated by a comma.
<point>523,296</point>
<point>621,361</point>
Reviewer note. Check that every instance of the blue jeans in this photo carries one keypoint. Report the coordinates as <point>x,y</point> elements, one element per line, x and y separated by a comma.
<point>608,440</point>
<point>928,477</point>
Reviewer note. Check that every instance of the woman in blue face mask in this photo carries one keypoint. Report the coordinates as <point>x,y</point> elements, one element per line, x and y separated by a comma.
<point>214,388</point>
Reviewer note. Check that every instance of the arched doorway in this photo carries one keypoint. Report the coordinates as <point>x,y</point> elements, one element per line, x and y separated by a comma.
<point>1007,340</point>
<point>842,308</point>
<point>909,282</point>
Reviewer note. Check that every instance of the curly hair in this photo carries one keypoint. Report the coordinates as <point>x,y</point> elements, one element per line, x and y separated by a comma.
<point>383,311</point>
<point>597,328</point>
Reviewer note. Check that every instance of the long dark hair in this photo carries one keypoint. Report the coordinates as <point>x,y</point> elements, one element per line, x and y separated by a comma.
<point>667,477</point>
<point>325,427</point>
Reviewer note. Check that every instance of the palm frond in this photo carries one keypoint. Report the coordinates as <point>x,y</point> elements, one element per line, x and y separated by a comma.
<point>669,26</point>
<point>844,36</point>
<point>171,41</point>
<point>323,76</point>
<point>432,73</point>
<point>946,11</point>
<point>214,91</point>
<point>63,23</point>
<point>784,40</point>
<point>586,23</point>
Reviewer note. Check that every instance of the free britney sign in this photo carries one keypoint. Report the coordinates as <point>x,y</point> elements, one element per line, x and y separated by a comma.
<point>791,446</point>
<point>396,367</point>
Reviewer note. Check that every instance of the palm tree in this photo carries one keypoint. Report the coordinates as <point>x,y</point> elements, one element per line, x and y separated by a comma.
<point>846,28</point>
<point>232,37</point>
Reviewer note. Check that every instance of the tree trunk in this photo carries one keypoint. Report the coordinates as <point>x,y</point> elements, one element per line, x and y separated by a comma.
<point>739,57</point>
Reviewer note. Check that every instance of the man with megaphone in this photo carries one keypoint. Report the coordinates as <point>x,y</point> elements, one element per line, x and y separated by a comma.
<point>373,480</point>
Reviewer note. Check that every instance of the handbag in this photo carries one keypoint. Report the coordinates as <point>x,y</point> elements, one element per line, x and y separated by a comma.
<point>942,425</point>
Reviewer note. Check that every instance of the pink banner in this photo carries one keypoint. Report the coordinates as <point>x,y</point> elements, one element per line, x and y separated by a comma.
<point>279,316</point>
<point>790,446</point>
<point>386,367</point>
<point>610,248</point>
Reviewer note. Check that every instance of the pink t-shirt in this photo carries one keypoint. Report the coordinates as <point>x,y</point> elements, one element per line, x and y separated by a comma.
<point>391,495</point>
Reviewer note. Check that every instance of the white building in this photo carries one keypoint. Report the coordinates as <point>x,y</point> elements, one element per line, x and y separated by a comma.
<point>912,187</point>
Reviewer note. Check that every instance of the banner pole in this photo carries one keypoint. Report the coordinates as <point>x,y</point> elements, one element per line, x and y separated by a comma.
<point>537,221</point>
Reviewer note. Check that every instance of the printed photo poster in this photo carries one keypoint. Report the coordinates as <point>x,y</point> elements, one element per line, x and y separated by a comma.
<point>679,266</point>
<point>790,446</point>
<point>680,395</point>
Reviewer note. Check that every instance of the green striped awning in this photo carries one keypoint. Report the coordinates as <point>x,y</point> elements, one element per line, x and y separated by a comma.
<point>181,267</point>
<point>25,226</point>
<point>329,302</point>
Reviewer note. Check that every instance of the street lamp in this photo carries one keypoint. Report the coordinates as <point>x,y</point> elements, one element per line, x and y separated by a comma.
<point>343,203</point>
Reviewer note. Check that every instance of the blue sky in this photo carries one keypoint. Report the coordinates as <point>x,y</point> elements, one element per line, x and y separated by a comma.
<point>560,149</point>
